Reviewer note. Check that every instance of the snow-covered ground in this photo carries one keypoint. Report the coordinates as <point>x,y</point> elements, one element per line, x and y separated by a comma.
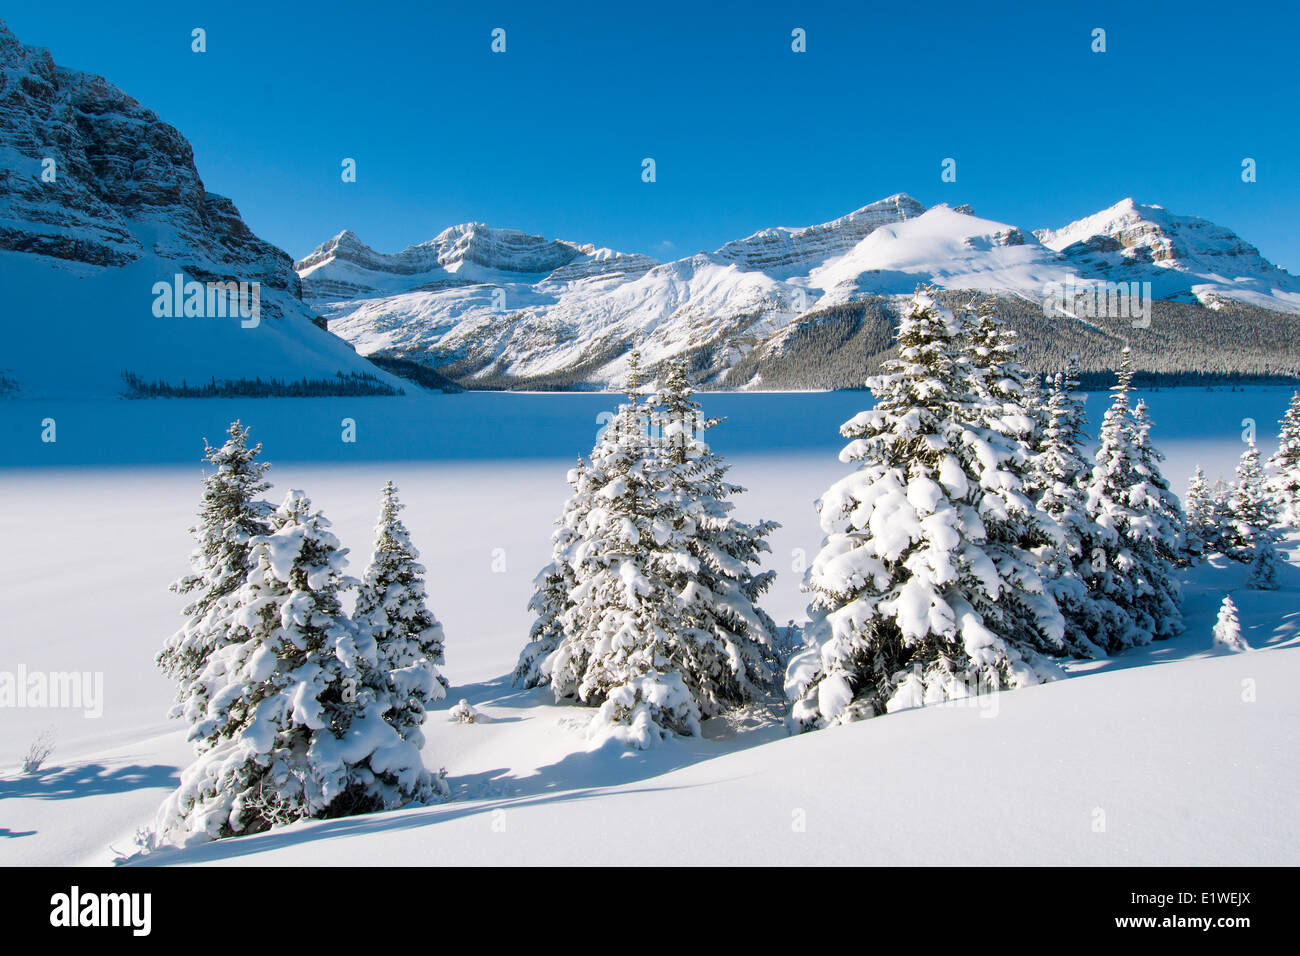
<point>1177,753</point>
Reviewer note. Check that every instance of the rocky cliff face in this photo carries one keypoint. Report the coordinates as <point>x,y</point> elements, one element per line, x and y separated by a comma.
<point>345,267</point>
<point>99,202</point>
<point>124,184</point>
<point>783,252</point>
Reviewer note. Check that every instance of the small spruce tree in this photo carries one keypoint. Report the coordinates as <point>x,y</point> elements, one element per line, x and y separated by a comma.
<point>1198,506</point>
<point>393,607</point>
<point>1227,629</point>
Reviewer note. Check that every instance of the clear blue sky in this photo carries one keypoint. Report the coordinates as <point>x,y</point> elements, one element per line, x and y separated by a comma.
<point>549,136</point>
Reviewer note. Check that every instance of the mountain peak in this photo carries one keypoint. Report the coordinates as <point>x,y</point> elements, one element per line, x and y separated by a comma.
<point>784,251</point>
<point>1131,236</point>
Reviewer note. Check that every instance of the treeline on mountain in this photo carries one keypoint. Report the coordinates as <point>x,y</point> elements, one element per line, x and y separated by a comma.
<point>1186,344</point>
<point>416,372</point>
<point>486,373</point>
<point>350,385</point>
<point>839,346</point>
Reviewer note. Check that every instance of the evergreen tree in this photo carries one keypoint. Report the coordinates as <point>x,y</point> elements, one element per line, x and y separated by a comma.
<point>922,586</point>
<point>1166,527</point>
<point>659,626</point>
<point>729,647</point>
<point>997,407</point>
<point>552,588</point>
<point>1264,564</point>
<point>1220,516</point>
<point>392,606</point>
<point>621,649</point>
<point>1227,629</point>
<point>231,515</point>
<point>1198,505</point>
<point>1284,482</point>
<point>293,726</point>
<point>1001,393</point>
<point>1129,543</point>
<point>1251,512</point>
<point>1057,475</point>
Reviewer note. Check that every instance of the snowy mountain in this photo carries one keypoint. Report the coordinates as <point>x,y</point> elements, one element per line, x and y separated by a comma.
<point>1182,256</point>
<point>499,307</point>
<point>99,201</point>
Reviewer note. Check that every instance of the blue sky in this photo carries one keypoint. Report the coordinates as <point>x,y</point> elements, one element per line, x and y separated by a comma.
<point>549,136</point>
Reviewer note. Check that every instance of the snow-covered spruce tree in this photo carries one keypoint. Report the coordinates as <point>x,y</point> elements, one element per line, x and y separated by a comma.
<point>999,405</point>
<point>552,587</point>
<point>393,607</point>
<point>621,630</point>
<point>1284,467</point>
<point>1058,472</point>
<point>661,628</point>
<point>729,648</point>
<point>1251,512</point>
<point>1220,516</point>
<point>922,586</point>
<point>294,726</point>
<point>1227,629</point>
<point>1001,393</point>
<point>1198,507</point>
<point>1167,531</point>
<point>1265,563</point>
<point>230,515</point>
<point>1250,533</point>
<point>1130,550</point>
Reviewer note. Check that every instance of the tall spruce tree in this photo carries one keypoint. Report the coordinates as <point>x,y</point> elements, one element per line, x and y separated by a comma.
<point>729,648</point>
<point>1130,545</point>
<point>620,634</point>
<point>1284,467</point>
<point>999,408</point>
<point>1167,528</point>
<point>1251,535</point>
<point>293,725</point>
<point>1250,508</point>
<point>1058,473</point>
<point>922,586</point>
<point>393,607</point>
<point>552,588</point>
<point>660,626</point>
<point>230,516</point>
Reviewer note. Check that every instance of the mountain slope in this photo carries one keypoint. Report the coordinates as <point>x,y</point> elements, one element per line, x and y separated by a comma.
<point>498,308</point>
<point>100,200</point>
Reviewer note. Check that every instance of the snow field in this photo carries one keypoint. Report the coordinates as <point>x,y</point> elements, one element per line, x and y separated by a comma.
<point>86,553</point>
